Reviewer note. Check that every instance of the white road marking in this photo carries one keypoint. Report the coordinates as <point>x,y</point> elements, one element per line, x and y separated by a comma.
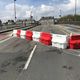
<point>5,39</point>
<point>77,55</point>
<point>28,62</point>
<point>29,59</point>
<point>77,51</point>
<point>10,34</point>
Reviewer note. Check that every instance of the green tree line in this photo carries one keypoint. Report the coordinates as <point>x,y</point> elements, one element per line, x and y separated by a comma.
<point>70,18</point>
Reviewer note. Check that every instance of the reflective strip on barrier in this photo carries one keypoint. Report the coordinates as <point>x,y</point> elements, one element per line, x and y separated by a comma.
<point>14,33</point>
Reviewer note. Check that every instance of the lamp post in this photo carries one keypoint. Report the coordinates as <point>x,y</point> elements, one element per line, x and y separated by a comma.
<point>31,17</point>
<point>60,13</point>
<point>75,9</point>
<point>75,6</point>
<point>15,10</point>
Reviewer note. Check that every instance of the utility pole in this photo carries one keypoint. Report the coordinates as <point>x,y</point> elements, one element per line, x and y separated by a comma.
<point>75,6</point>
<point>75,9</point>
<point>31,16</point>
<point>60,13</point>
<point>15,10</point>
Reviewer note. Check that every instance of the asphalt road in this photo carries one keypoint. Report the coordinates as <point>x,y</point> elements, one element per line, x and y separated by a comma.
<point>47,63</point>
<point>5,35</point>
<point>71,28</point>
<point>52,64</point>
<point>13,56</point>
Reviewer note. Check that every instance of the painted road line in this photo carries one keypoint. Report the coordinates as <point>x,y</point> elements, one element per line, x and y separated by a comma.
<point>5,39</point>
<point>79,55</point>
<point>27,63</point>
<point>29,59</point>
<point>78,51</point>
<point>73,54</point>
<point>10,34</point>
<point>64,31</point>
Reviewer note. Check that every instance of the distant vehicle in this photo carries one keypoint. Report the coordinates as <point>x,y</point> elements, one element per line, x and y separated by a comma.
<point>11,22</point>
<point>47,19</point>
<point>55,21</point>
<point>30,22</point>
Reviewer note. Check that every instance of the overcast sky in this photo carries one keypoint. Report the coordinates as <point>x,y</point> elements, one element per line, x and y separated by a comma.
<point>38,7</point>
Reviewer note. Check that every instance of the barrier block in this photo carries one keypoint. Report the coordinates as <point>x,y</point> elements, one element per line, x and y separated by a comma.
<point>22,34</point>
<point>60,41</point>
<point>36,36</point>
<point>14,33</point>
<point>74,42</point>
<point>18,33</point>
<point>45,38</point>
<point>60,45</point>
<point>29,35</point>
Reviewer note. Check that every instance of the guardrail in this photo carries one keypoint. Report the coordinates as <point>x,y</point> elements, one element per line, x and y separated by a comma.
<point>25,28</point>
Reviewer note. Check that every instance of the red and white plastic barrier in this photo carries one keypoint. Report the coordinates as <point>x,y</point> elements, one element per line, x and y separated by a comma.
<point>16,33</point>
<point>29,35</point>
<point>45,38</point>
<point>23,34</point>
<point>74,41</point>
<point>36,36</point>
<point>60,41</point>
<point>56,40</point>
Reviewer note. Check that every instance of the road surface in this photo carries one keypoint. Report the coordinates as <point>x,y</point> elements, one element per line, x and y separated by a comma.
<point>47,63</point>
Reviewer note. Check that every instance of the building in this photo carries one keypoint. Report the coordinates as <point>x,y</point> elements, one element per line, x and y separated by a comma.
<point>46,20</point>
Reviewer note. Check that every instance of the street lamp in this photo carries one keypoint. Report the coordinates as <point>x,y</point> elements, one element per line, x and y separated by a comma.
<point>60,13</point>
<point>15,10</point>
<point>75,6</point>
<point>75,9</point>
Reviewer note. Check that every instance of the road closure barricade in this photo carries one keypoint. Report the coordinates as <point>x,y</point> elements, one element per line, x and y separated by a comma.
<point>36,36</point>
<point>45,38</point>
<point>74,41</point>
<point>60,41</point>
<point>29,34</point>
<point>16,33</point>
<point>56,40</point>
<point>23,34</point>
